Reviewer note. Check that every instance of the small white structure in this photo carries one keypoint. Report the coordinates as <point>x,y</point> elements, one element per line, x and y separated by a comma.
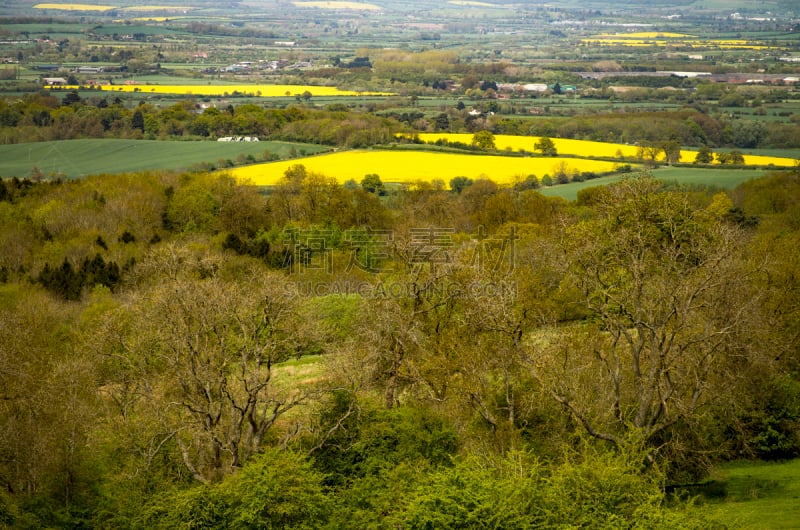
<point>535,87</point>
<point>238,139</point>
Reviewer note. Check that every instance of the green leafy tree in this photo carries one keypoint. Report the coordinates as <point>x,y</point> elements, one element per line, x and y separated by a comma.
<point>442,122</point>
<point>483,140</point>
<point>517,491</point>
<point>372,183</point>
<point>278,489</point>
<point>458,184</point>
<point>545,146</point>
<point>137,120</point>
<point>732,158</point>
<point>704,155</point>
<point>672,151</point>
<point>71,98</point>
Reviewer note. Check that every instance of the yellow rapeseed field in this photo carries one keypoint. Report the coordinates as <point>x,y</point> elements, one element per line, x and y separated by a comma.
<point>590,149</point>
<point>226,90</point>
<point>758,160</point>
<point>156,8</point>
<point>647,35</point>
<point>672,39</point>
<point>412,166</point>
<point>74,7</point>
<point>564,146</point>
<point>338,5</point>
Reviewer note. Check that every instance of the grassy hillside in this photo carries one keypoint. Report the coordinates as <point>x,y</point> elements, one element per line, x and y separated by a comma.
<point>79,158</point>
<point>721,178</point>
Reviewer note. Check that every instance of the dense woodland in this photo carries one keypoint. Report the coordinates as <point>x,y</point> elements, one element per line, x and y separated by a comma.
<point>182,351</point>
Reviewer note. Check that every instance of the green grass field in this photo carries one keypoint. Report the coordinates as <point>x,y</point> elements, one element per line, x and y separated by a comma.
<point>720,178</point>
<point>754,495</point>
<point>79,158</point>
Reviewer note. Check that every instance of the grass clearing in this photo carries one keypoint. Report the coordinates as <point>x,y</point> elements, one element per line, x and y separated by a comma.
<point>754,495</point>
<point>80,158</point>
<point>720,178</point>
<point>299,372</point>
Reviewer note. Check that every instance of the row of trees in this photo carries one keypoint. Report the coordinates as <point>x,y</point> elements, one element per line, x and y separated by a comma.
<point>419,358</point>
<point>688,127</point>
<point>46,117</point>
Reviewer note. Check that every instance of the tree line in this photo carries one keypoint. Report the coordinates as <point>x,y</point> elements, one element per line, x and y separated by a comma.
<point>45,116</point>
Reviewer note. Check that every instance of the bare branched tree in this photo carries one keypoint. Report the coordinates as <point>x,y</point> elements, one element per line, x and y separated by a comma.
<point>666,303</point>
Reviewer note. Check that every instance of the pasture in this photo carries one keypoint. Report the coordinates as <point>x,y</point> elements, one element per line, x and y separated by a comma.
<point>753,495</point>
<point>713,177</point>
<point>79,158</point>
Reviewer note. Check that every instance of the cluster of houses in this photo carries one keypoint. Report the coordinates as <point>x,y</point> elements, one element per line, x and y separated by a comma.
<point>244,67</point>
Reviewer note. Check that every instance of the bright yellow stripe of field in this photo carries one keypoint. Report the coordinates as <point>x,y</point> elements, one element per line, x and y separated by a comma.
<point>589,149</point>
<point>155,8</point>
<point>646,35</point>
<point>411,166</point>
<point>74,7</point>
<point>725,45</point>
<point>564,146</point>
<point>223,90</point>
<point>338,5</point>
<point>758,160</point>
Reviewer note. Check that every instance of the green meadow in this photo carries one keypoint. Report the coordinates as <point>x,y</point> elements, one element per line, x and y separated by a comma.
<point>753,495</point>
<point>712,177</point>
<point>80,158</point>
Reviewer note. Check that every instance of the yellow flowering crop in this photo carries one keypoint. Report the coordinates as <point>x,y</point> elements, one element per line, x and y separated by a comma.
<point>564,146</point>
<point>758,160</point>
<point>647,35</point>
<point>156,8</point>
<point>590,149</point>
<point>412,166</point>
<point>74,7</point>
<point>642,39</point>
<point>226,90</point>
